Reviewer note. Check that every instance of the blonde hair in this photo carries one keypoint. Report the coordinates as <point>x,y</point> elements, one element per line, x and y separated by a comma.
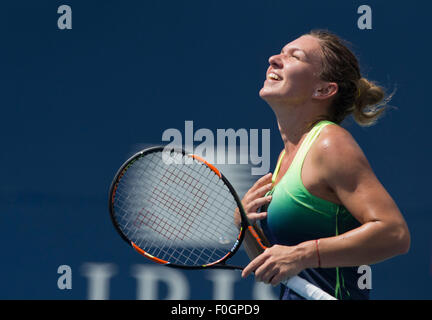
<point>363,99</point>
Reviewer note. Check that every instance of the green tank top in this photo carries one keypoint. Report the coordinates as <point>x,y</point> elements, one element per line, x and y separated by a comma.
<point>295,215</point>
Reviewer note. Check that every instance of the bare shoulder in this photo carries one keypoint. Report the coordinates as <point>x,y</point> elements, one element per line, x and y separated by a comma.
<point>344,169</point>
<point>337,152</point>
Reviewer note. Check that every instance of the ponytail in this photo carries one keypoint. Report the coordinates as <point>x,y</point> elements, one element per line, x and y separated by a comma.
<point>368,105</point>
<point>361,98</point>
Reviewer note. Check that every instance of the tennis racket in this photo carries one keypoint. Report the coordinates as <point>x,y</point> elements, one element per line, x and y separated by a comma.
<point>177,209</point>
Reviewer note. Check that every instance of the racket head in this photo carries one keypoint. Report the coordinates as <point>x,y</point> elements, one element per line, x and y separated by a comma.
<point>178,213</point>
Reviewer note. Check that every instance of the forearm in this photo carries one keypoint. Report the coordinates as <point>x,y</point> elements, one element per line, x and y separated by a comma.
<point>370,243</point>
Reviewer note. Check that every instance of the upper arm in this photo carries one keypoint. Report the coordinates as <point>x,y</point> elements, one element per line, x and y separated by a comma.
<point>348,173</point>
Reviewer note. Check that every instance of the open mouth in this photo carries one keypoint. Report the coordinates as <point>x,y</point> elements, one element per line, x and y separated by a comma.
<point>273,76</point>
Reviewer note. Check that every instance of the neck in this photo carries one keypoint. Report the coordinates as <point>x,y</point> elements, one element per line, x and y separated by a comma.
<point>294,123</point>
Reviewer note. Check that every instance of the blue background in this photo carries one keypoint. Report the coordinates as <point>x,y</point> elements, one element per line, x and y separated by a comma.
<point>76,103</point>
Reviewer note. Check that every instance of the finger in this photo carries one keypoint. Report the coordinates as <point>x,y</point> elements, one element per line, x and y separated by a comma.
<point>260,188</point>
<point>278,278</point>
<point>253,217</point>
<point>265,272</point>
<point>257,203</point>
<point>251,196</point>
<point>255,263</point>
<point>261,182</point>
<point>258,193</point>
<point>268,277</point>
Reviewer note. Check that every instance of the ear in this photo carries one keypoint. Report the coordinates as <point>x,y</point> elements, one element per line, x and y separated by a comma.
<point>325,91</point>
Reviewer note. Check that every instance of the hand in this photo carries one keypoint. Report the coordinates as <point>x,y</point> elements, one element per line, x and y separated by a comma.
<point>254,199</point>
<point>276,264</point>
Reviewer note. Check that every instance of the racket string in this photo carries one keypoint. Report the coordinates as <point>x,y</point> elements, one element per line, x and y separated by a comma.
<point>172,189</point>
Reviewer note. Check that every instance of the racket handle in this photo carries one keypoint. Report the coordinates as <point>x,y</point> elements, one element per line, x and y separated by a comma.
<point>306,289</point>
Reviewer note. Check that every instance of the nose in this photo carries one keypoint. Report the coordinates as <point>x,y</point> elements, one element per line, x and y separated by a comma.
<point>275,61</point>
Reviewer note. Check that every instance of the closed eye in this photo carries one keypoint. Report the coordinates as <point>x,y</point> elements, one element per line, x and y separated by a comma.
<point>291,55</point>
<point>292,52</point>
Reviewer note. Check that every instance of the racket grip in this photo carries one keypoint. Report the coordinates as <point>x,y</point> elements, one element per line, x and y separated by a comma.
<point>306,289</point>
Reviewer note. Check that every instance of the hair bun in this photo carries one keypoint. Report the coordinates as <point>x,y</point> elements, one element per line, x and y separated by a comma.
<point>368,107</point>
<point>370,92</point>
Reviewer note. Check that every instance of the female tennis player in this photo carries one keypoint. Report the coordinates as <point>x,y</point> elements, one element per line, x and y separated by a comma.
<point>327,211</point>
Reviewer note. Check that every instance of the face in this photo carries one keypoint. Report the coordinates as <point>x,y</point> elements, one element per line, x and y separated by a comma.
<point>292,76</point>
